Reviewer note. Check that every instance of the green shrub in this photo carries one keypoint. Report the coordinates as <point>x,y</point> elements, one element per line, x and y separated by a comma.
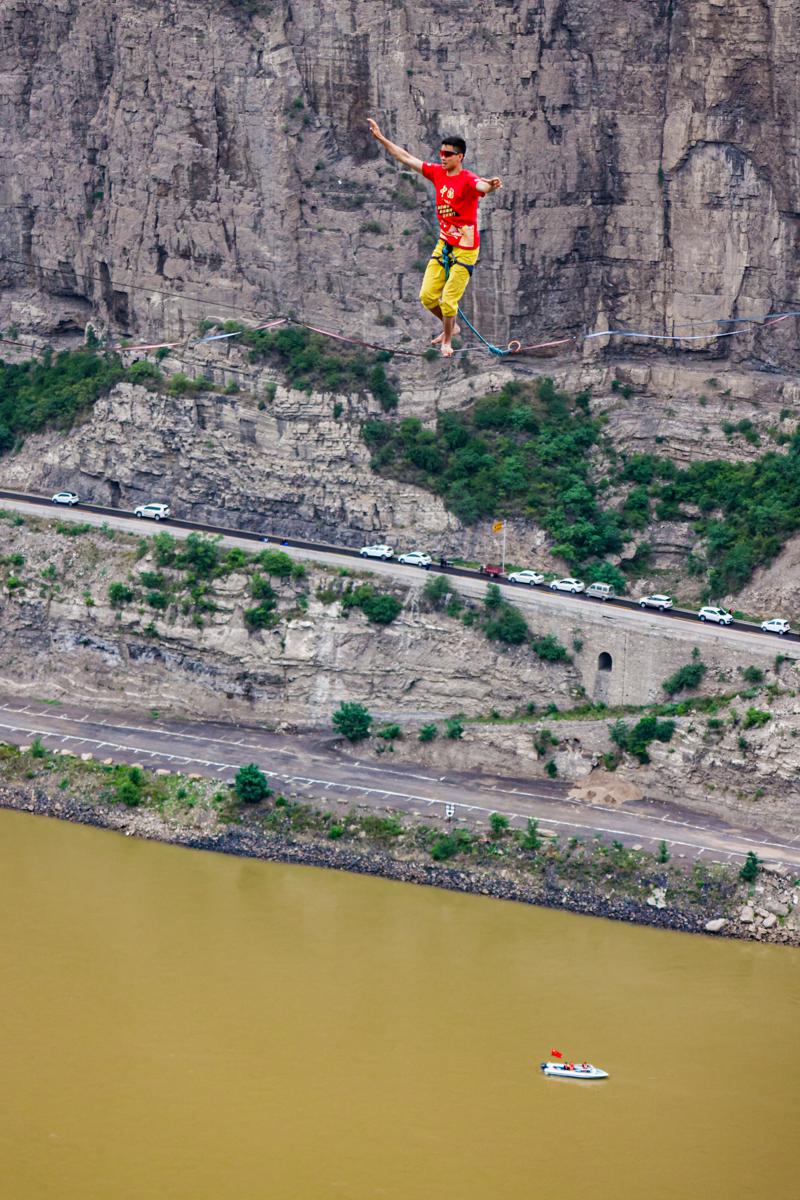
<point>352,721</point>
<point>636,740</point>
<point>750,868</point>
<point>262,616</point>
<point>428,732</point>
<point>507,624</point>
<point>276,562</point>
<point>689,676</point>
<point>454,728</point>
<point>549,649</point>
<point>158,600</point>
<point>389,732</point>
<point>37,750</point>
<point>550,768</point>
<point>308,361</point>
<point>753,675</point>
<point>498,824</point>
<point>381,829</point>
<point>543,740</point>
<point>447,845</point>
<point>381,608</point>
<point>151,579</point>
<point>754,718</point>
<point>235,560</point>
<point>128,793</point>
<point>261,589</point>
<point>531,839</point>
<point>250,784</point>
<point>199,554</point>
<point>119,594</point>
<point>437,590</point>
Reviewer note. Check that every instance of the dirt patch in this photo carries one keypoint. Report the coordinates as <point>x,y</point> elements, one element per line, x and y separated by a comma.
<point>602,787</point>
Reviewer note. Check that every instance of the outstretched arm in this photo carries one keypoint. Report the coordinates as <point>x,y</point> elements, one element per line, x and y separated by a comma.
<point>397,152</point>
<point>484,186</point>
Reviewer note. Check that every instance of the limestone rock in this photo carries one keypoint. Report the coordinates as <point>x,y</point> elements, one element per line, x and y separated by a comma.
<point>648,152</point>
<point>747,916</point>
<point>716,925</point>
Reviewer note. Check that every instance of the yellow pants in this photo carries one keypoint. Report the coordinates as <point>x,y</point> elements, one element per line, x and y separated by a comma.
<point>445,293</point>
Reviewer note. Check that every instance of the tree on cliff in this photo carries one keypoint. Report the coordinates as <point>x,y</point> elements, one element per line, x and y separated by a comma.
<point>352,721</point>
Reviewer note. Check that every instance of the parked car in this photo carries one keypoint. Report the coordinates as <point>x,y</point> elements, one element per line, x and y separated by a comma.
<point>657,600</point>
<point>379,551</point>
<point>532,578</point>
<point>720,615</point>
<point>158,512</point>
<point>566,585</point>
<point>65,498</point>
<point>492,569</point>
<point>776,625</point>
<point>415,558</point>
<point>600,591</point>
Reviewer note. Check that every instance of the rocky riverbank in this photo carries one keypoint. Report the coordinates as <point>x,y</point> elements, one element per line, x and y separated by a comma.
<point>764,911</point>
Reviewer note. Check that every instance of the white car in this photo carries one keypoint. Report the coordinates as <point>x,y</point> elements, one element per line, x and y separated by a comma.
<point>720,615</point>
<point>157,512</point>
<point>415,558</point>
<point>776,625</point>
<point>380,551</point>
<point>656,601</point>
<point>66,498</point>
<point>532,578</point>
<point>566,585</point>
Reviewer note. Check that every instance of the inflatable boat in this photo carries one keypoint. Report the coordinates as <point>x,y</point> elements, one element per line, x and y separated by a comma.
<point>573,1070</point>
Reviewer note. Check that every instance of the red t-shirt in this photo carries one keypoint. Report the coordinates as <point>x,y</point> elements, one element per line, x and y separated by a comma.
<point>456,205</point>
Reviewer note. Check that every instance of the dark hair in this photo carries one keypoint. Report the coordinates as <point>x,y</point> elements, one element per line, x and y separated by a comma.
<point>457,143</point>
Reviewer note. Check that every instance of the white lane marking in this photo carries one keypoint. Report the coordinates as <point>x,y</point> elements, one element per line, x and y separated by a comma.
<point>408,796</point>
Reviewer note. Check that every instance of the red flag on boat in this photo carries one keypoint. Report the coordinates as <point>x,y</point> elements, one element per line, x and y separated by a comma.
<point>556,1054</point>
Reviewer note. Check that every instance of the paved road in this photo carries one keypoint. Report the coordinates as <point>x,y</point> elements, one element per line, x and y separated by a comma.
<point>624,614</point>
<point>310,768</point>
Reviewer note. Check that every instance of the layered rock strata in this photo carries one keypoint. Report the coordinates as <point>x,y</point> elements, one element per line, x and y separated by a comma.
<point>162,161</point>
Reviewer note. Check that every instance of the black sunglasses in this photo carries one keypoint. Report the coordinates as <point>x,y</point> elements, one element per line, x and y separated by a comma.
<point>448,153</point>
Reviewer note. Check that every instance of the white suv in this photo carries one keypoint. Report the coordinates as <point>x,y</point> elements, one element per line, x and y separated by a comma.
<point>658,600</point>
<point>158,512</point>
<point>379,551</point>
<point>720,615</point>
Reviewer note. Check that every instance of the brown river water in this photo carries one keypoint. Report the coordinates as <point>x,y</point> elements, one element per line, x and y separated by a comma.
<point>185,1025</point>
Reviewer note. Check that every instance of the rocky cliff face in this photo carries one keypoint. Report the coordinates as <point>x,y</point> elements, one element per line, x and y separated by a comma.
<point>60,636</point>
<point>162,160</point>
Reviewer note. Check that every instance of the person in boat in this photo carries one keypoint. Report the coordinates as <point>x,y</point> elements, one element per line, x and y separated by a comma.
<point>458,193</point>
<point>585,1067</point>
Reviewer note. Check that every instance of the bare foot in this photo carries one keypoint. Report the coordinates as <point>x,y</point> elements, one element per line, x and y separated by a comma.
<point>437,341</point>
<point>447,350</point>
